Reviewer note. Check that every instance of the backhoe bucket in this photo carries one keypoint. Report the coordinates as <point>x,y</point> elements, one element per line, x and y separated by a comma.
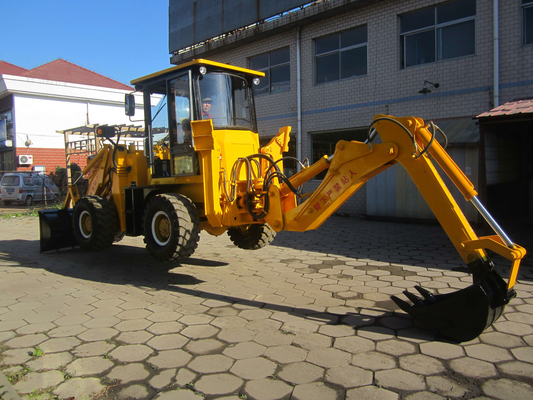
<point>55,227</point>
<point>463,315</point>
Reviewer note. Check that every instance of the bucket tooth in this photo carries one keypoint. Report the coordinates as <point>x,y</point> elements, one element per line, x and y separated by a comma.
<point>417,301</point>
<point>425,293</point>
<point>405,306</point>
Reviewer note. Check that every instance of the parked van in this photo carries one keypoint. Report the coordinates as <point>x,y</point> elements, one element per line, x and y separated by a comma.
<point>27,188</point>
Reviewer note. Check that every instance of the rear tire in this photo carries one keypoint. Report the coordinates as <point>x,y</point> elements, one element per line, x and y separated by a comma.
<point>171,227</point>
<point>251,237</point>
<point>94,221</point>
<point>28,201</point>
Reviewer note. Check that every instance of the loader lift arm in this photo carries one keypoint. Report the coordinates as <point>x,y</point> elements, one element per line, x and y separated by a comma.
<point>408,141</point>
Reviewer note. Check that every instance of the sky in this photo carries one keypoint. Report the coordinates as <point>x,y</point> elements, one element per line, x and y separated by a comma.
<point>120,39</point>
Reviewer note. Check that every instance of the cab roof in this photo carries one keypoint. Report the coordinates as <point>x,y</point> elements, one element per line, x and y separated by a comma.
<point>197,62</point>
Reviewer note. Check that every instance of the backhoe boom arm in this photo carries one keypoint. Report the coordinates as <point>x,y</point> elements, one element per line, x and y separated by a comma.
<point>353,163</point>
<point>459,316</point>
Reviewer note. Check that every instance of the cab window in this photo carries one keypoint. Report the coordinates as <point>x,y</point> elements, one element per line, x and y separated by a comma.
<point>225,100</point>
<point>183,160</point>
<point>180,114</point>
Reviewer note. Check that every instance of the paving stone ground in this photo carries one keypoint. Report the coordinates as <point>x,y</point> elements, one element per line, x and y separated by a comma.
<point>308,317</point>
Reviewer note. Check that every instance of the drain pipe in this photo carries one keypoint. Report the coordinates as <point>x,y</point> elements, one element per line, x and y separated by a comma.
<point>299,98</point>
<point>496,44</point>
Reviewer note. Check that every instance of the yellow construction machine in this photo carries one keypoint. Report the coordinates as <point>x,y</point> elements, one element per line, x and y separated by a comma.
<point>205,170</point>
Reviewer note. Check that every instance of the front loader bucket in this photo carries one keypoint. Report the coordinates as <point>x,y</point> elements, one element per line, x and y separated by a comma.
<point>56,229</point>
<point>460,316</point>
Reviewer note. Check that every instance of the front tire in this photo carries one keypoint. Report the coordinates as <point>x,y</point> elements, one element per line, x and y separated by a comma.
<point>94,221</point>
<point>171,227</point>
<point>251,237</point>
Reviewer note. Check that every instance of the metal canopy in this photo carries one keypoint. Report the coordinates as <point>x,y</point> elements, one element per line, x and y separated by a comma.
<point>125,130</point>
<point>198,62</point>
<point>459,130</point>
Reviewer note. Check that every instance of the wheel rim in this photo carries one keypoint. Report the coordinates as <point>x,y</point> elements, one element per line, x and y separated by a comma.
<point>85,224</point>
<point>161,228</point>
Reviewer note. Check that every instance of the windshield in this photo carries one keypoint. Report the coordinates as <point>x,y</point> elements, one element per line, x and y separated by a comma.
<point>224,99</point>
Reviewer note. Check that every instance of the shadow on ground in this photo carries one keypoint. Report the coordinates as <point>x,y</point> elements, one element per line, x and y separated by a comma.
<point>131,265</point>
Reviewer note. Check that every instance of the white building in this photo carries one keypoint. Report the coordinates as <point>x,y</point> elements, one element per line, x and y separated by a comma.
<point>36,103</point>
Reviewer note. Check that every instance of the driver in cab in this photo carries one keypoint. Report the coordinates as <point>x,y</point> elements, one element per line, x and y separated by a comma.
<point>206,106</point>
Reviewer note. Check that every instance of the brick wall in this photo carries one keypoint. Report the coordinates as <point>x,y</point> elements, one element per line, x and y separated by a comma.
<point>49,158</point>
<point>465,83</point>
<point>516,64</point>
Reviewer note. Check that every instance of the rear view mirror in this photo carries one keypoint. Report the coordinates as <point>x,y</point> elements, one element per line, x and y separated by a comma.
<point>129,104</point>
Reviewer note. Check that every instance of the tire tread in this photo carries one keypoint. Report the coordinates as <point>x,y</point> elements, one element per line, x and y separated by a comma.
<point>104,226</point>
<point>185,218</point>
<point>254,238</point>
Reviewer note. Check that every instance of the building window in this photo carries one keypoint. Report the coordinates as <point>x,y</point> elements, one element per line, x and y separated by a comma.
<point>527,21</point>
<point>276,66</point>
<point>439,33</point>
<point>7,155</point>
<point>6,128</point>
<point>341,55</point>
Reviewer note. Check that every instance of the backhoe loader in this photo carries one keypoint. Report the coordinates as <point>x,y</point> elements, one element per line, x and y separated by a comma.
<point>206,171</point>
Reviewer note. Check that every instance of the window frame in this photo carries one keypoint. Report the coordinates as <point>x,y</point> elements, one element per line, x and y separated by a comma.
<point>268,70</point>
<point>339,50</point>
<point>436,28</point>
<point>526,5</point>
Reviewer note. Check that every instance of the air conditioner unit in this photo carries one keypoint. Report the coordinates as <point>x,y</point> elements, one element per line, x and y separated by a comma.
<point>25,160</point>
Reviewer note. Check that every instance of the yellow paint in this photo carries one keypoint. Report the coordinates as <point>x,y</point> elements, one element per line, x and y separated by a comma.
<point>198,62</point>
<point>495,244</point>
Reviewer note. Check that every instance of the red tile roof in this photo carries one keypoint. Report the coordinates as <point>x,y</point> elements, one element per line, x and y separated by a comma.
<point>10,69</point>
<point>63,71</point>
<point>511,108</point>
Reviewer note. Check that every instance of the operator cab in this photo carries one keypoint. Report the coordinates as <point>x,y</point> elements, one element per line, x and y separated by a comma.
<point>193,91</point>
